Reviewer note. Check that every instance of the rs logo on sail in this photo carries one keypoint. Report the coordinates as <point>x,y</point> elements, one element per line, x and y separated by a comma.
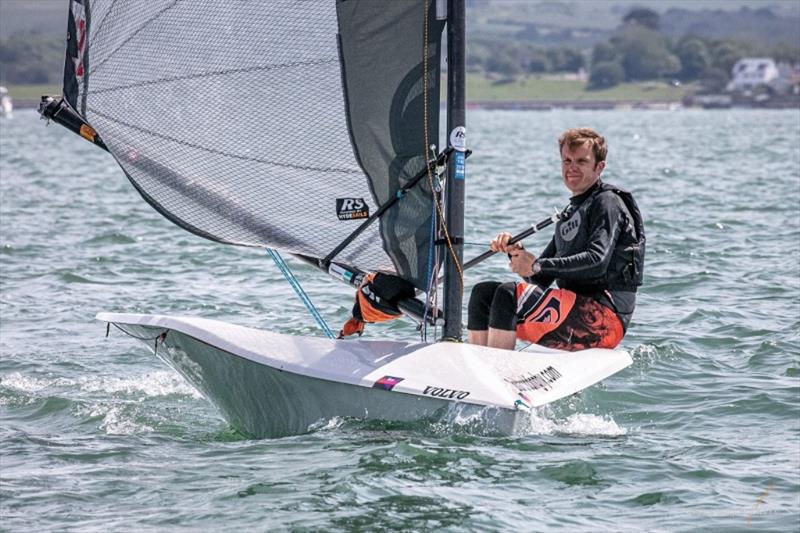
<point>439,392</point>
<point>350,208</point>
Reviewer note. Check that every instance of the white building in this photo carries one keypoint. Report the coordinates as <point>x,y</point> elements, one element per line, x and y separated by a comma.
<point>750,72</point>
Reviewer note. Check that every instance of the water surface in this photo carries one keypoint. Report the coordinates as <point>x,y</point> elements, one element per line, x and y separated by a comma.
<point>702,432</point>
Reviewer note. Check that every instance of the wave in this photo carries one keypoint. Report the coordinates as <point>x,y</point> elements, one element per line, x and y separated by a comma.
<point>542,421</point>
<point>69,277</point>
<point>152,384</point>
<point>110,238</point>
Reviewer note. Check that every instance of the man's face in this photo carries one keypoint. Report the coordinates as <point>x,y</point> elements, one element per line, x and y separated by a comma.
<point>578,168</point>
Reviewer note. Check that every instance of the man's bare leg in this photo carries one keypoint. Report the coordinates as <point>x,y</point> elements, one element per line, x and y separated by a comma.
<point>501,338</point>
<point>478,336</point>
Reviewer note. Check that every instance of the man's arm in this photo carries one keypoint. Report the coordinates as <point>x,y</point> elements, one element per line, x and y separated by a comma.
<point>540,278</point>
<point>606,215</point>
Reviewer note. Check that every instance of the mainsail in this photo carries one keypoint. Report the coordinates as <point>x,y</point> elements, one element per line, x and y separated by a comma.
<point>277,124</point>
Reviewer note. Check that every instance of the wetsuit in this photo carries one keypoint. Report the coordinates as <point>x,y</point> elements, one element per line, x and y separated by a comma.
<point>596,258</point>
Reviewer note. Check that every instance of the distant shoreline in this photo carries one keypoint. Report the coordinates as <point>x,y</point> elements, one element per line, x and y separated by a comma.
<point>541,94</point>
<point>528,105</point>
<point>544,105</point>
<point>548,105</point>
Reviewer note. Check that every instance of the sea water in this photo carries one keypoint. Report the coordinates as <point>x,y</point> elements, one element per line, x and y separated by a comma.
<point>702,432</point>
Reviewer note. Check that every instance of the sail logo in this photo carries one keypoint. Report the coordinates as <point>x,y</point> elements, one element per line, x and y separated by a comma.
<point>450,394</point>
<point>351,208</point>
<point>569,229</point>
<point>458,138</point>
<point>79,16</point>
<point>549,313</point>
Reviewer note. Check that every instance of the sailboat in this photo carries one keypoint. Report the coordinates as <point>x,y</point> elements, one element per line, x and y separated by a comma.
<point>6,105</point>
<point>310,128</point>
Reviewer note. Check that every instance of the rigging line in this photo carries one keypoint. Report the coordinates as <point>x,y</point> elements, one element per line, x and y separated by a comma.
<point>298,289</point>
<point>215,73</point>
<point>430,281</point>
<point>220,152</point>
<point>431,244</point>
<point>434,295</point>
<point>439,209</point>
<point>132,35</point>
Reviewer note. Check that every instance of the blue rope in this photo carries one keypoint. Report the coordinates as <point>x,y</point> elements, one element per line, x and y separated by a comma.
<point>287,273</point>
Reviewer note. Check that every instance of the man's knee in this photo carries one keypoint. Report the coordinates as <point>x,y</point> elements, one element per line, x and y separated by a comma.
<point>484,291</point>
<point>505,294</point>
<point>503,314</point>
<point>480,303</point>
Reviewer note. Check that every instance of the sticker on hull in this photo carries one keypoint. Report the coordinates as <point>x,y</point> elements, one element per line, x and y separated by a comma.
<point>542,380</point>
<point>387,382</point>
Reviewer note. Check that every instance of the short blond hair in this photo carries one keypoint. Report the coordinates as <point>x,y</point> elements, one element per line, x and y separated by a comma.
<point>577,137</point>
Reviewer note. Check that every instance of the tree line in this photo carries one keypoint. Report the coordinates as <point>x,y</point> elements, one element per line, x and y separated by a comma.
<point>637,51</point>
<point>32,59</point>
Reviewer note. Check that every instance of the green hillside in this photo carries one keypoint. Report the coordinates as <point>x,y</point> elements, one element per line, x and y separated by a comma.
<point>483,89</point>
<point>480,89</point>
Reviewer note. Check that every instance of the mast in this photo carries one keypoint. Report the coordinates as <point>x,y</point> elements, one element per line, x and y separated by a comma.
<point>454,191</point>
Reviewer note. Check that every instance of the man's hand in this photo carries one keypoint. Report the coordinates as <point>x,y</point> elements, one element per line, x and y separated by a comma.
<point>500,244</point>
<point>521,262</point>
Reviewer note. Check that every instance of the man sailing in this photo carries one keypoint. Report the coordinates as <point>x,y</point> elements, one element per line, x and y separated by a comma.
<point>595,257</point>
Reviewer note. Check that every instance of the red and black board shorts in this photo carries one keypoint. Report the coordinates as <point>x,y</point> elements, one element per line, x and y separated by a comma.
<point>565,320</point>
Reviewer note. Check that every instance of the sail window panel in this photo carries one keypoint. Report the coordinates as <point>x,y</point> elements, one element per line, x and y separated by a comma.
<point>229,118</point>
<point>241,201</point>
<point>143,42</point>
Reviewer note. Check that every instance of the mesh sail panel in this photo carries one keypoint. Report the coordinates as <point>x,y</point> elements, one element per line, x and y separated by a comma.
<point>230,118</point>
<point>385,92</point>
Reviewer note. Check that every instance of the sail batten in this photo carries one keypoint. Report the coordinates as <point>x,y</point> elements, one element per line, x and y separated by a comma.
<point>220,73</point>
<point>278,124</point>
<point>212,150</point>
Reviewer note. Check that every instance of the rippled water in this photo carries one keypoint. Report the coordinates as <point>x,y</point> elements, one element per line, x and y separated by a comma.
<point>702,432</point>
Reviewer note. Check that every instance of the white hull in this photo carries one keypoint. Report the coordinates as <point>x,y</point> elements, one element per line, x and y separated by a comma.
<point>269,384</point>
<point>6,107</point>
